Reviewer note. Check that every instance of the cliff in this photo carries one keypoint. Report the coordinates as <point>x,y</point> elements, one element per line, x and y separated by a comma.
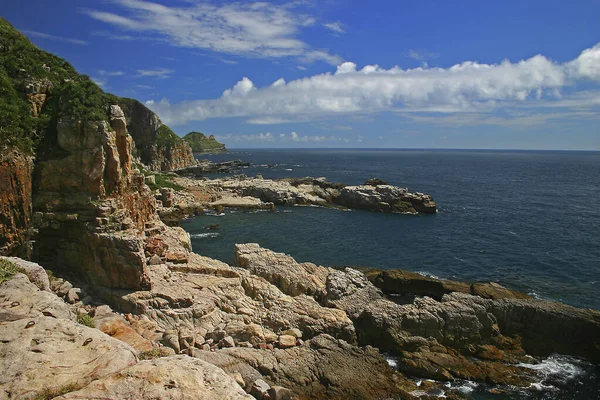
<point>66,153</point>
<point>202,144</point>
<point>158,147</point>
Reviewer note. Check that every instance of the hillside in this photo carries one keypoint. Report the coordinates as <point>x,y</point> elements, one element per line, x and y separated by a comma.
<point>39,89</point>
<point>202,144</point>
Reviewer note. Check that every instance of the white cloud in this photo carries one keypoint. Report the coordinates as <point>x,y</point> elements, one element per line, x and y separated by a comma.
<point>155,73</point>
<point>301,68</point>
<point>110,73</point>
<point>258,29</point>
<point>284,138</point>
<point>421,55</point>
<point>53,37</point>
<point>465,87</point>
<point>335,27</point>
<point>146,87</point>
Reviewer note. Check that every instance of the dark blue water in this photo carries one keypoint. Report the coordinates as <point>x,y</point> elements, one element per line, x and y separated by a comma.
<point>528,220</point>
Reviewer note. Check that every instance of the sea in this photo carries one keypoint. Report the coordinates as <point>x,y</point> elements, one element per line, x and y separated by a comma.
<point>529,220</point>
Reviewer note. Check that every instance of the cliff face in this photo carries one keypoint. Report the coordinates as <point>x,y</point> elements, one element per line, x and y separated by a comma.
<point>15,202</point>
<point>157,146</point>
<point>202,144</point>
<point>81,189</point>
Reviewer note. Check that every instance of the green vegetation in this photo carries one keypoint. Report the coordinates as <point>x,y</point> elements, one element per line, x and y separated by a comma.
<point>8,270</point>
<point>85,319</point>
<point>28,74</point>
<point>202,144</point>
<point>154,353</point>
<point>166,137</point>
<point>164,181</point>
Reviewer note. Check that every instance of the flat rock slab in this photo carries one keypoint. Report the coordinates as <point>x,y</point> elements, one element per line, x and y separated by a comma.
<point>45,354</point>
<point>174,377</point>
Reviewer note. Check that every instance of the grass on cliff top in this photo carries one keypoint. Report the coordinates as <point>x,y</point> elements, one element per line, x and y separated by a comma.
<point>166,137</point>
<point>8,270</point>
<point>162,180</point>
<point>200,143</point>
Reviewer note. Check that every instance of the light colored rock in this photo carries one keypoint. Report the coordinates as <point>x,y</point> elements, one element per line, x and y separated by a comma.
<point>168,378</point>
<point>295,332</point>
<point>227,341</point>
<point>279,393</point>
<point>45,353</point>
<point>259,389</point>
<point>286,341</point>
<point>19,299</point>
<point>64,289</point>
<point>154,260</point>
<point>282,270</point>
<point>351,291</point>
<point>73,295</point>
<point>35,272</point>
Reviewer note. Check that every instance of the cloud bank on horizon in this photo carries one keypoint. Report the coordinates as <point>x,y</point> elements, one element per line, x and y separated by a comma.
<point>465,87</point>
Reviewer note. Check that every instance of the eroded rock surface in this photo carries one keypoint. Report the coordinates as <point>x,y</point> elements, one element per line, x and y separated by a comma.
<point>175,377</point>
<point>323,367</point>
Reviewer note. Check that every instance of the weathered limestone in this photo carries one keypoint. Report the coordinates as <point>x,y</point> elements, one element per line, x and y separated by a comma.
<point>36,274</point>
<point>174,377</point>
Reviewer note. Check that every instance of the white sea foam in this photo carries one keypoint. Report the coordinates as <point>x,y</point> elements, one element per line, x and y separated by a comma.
<point>556,368</point>
<point>288,169</point>
<point>209,235</point>
<point>427,274</point>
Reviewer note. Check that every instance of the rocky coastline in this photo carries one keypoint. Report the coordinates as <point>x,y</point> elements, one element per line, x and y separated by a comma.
<point>102,296</point>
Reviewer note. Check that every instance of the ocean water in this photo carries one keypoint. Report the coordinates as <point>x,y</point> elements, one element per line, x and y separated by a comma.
<point>529,220</point>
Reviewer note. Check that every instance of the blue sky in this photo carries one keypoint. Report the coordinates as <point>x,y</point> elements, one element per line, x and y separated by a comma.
<point>341,73</point>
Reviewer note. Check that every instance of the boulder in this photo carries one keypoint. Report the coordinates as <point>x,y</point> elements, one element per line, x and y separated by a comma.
<point>116,326</point>
<point>259,389</point>
<point>286,341</point>
<point>35,272</point>
<point>173,377</point>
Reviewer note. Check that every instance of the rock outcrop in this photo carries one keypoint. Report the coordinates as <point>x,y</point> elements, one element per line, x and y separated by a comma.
<point>16,170</point>
<point>323,367</point>
<point>208,167</point>
<point>157,146</point>
<point>201,144</point>
<point>90,205</point>
<point>175,377</point>
<point>43,351</point>
<point>457,336</point>
<point>385,198</point>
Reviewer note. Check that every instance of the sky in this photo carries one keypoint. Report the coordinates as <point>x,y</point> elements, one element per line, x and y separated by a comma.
<point>342,73</point>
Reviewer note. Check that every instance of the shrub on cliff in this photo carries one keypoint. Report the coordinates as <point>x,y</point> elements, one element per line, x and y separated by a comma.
<point>7,270</point>
<point>202,144</point>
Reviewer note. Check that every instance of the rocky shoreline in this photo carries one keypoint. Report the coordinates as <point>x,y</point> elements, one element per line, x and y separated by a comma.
<point>266,327</point>
<point>108,300</point>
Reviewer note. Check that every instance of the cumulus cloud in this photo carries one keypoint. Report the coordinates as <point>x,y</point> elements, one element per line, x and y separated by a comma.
<point>42,35</point>
<point>258,29</point>
<point>464,87</point>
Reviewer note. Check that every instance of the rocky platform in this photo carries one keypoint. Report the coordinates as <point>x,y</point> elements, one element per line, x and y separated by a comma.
<point>243,192</point>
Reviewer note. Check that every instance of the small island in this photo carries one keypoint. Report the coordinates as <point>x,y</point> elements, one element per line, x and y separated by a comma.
<point>201,144</point>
